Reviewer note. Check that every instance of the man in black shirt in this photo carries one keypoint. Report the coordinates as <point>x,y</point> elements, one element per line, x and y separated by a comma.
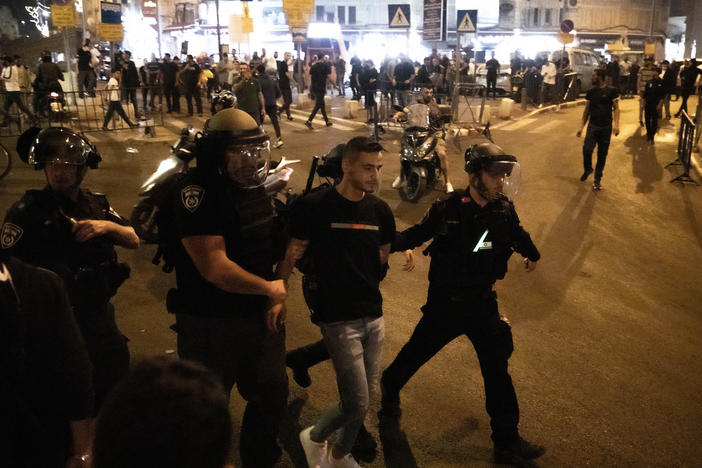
<point>356,69</point>
<point>688,82</point>
<point>654,93</point>
<point>284,83</point>
<point>190,76</point>
<point>345,233</point>
<point>318,77</point>
<point>493,67</point>
<point>602,110</point>
<point>340,66</point>
<point>402,79</point>
<point>169,73</point>
<point>130,81</point>
<point>369,79</point>
<point>86,74</point>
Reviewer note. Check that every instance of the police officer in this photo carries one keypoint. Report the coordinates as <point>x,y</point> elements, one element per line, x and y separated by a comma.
<point>72,232</point>
<point>228,305</point>
<point>474,233</point>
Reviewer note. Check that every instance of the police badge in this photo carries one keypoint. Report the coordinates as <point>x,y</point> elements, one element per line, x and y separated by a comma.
<point>191,196</point>
<point>10,234</point>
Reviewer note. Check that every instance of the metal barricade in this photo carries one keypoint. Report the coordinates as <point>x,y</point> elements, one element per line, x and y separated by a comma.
<point>82,112</point>
<point>685,144</point>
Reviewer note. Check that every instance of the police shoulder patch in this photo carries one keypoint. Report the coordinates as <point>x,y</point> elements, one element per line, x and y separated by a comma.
<point>191,197</point>
<point>10,235</point>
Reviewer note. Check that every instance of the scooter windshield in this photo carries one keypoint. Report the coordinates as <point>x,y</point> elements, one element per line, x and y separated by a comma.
<point>418,116</point>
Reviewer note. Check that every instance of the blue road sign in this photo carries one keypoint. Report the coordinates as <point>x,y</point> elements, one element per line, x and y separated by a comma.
<point>111,13</point>
<point>466,21</point>
<point>399,16</point>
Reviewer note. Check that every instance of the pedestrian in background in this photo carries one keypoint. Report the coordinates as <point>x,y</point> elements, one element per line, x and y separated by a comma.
<point>86,74</point>
<point>669,81</point>
<point>169,73</point>
<point>688,83</point>
<point>11,78</point>
<point>190,76</point>
<point>624,73</point>
<point>653,96</point>
<point>113,90</point>
<point>549,72</point>
<point>318,86</point>
<point>602,112</point>
<point>493,68</point>
<point>223,72</point>
<point>248,94</point>
<point>356,68</point>
<point>340,67</point>
<point>284,77</point>
<point>129,81</point>
<point>271,93</point>
<point>646,74</point>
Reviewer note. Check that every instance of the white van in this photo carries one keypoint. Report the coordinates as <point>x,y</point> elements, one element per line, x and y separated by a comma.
<point>583,62</point>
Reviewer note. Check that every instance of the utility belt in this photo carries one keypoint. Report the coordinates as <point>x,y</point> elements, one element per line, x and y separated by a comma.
<point>438,299</point>
<point>101,281</point>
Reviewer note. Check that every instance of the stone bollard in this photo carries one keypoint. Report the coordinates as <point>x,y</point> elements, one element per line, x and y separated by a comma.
<point>351,108</point>
<point>487,114</point>
<point>302,101</point>
<point>505,108</point>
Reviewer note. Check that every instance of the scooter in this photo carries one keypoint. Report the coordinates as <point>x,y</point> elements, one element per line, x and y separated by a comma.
<point>143,216</point>
<point>420,166</point>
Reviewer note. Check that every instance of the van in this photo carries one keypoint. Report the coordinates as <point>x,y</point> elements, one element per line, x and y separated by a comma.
<point>582,62</point>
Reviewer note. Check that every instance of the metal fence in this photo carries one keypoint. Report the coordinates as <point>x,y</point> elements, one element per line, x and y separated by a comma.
<point>685,144</point>
<point>82,112</point>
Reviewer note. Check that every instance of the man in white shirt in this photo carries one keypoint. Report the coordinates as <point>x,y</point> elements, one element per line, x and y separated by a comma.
<point>11,78</point>
<point>115,104</point>
<point>548,87</point>
<point>223,71</point>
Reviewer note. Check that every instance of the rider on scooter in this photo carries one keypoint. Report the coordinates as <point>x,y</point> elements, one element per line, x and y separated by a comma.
<point>426,97</point>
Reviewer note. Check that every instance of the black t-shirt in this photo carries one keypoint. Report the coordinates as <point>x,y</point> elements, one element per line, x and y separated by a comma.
<point>283,79</point>
<point>365,78</point>
<point>244,218</point>
<point>403,71</point>
<point>345,237</point>
<point>601,104</point>
<point>492,66</point>
<point>169,70</point>
<point>83,59</point>
<point>318,76</point>
<point>190,74</point>
<point>655,91</point>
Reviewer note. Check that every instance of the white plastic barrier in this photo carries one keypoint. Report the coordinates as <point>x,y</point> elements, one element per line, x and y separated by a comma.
<point>505,108</point>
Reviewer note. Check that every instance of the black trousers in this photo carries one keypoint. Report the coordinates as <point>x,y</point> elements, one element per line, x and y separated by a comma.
<point>172,97</point>
<point>190,93</point>
<point>371,106</point>
<point>238,349</point>
<point>287,99</point>
<point>492,85</point>
<point>14,97</point>
<point>318,106</point>
<point>272,112</point>
<point>479,320</point>
<point>651,117</point>
<point>116,106</point>
<point>86,81</point>
<point>130,94</point>
<point>683,105</point>
<point>599,136</point>
<point>308,356</point>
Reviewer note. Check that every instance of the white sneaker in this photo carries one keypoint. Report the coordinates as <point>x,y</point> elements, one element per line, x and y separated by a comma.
<point>396,183</point>
<point>315,452</point>
<point>278,143</point>
<point>347,461</point>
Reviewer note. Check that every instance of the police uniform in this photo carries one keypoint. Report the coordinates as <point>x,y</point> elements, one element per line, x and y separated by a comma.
<point>470,248</point>
<point>38,230</point>
<point>226,331</point>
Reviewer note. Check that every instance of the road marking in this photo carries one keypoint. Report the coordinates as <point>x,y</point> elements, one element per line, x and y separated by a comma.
<point>519,124</point>
<point>548,126</point>
<point>345,123</point>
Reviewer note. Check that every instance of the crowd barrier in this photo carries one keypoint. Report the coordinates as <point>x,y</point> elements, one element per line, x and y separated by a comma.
<point>685,143</point>
<point>82,112</point>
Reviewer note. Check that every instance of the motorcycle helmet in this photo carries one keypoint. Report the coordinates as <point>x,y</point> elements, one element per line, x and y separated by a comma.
<point>37,147</point>
<point>490,158</point>
<point>233,143</point>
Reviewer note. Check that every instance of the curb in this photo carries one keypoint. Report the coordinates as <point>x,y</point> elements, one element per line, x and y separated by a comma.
<point>553,107</point>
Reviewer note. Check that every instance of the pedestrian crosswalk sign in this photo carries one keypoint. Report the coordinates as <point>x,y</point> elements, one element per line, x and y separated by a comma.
<point>466,21</point>
<point>399,16</point>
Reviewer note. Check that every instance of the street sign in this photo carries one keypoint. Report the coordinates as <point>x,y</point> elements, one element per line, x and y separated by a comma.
<point>111,32</point>
<point>299,34</point>
<point>565,38</point>
<point>466,21</point>
<point>567,26</point>
<point>298,12</point>
<point>111,13</point>
<point>235,29</point>
<point>63,15</point>
<point>399,16</point>
<point>432,20</point>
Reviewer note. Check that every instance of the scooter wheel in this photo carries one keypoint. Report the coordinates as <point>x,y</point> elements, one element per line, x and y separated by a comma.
<point>414,187</point>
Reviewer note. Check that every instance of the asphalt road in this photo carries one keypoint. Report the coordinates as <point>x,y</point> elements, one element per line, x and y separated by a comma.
<point>607,359</point>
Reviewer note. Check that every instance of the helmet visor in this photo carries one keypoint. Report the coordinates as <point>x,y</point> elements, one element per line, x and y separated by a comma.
<point>248,165</point>
<point>509,173</point>
<point>59,148</point>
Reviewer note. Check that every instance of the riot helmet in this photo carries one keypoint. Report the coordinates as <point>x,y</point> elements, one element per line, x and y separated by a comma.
<point>236,146</point>
<point>38,147</point>
<point>490,159</point>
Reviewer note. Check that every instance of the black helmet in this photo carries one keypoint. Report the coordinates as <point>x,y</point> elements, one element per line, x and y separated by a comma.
<point>233,131</point>
<point>490,158</point>
<point>56,144</point>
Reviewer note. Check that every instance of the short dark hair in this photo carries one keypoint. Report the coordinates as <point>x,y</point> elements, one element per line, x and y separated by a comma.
<point>600,73</point>
<point>166,54</point>
<point>261,69</point>
<point>164,413</point>
<point>358,145</point>
<point>320,56</point>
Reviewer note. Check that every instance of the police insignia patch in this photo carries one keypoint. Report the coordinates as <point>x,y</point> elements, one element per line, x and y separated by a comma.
<point>10,234</point>
<point>191,196</point>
